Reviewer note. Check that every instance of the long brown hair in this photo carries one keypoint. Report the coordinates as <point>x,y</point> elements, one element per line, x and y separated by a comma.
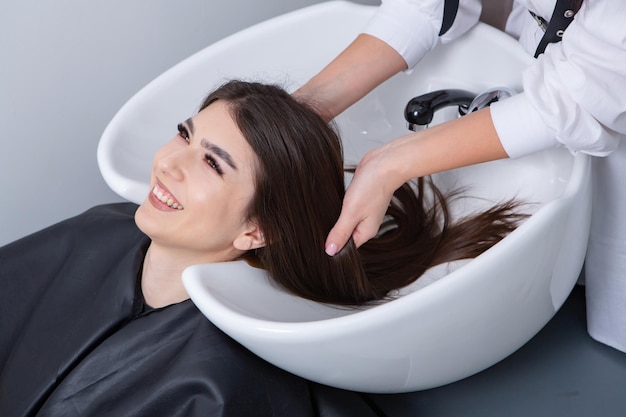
<point>298,197</point>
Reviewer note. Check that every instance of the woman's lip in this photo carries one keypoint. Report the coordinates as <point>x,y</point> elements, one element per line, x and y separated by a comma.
<point>158,204</point>
<point>160,185</point>
<point>162,199</point>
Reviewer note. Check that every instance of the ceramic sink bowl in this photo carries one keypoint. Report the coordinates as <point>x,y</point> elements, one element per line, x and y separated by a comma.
<point>476,313</point>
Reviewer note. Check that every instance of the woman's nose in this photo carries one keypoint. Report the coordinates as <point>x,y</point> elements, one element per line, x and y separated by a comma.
<point>173,164</point>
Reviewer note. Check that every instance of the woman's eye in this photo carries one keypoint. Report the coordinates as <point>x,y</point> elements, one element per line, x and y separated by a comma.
<point>213,164</point>
<point>182,132</point>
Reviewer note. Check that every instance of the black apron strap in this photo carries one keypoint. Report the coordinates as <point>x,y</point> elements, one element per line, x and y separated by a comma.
<point>450,8</point>
<point>562,16</point>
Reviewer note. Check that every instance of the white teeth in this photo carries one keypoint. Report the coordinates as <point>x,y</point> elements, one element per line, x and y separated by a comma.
<point>166,199</point>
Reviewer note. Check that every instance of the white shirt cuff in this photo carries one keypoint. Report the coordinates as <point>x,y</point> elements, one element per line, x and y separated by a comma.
<point>408,30</point>
<point>520,128</point>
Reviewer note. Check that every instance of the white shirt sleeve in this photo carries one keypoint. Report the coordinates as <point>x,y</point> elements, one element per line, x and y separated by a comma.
<point>412,27</point>
<point>575,93</point>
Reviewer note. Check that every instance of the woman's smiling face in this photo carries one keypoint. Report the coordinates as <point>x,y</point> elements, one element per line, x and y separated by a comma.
<point>201,185</point>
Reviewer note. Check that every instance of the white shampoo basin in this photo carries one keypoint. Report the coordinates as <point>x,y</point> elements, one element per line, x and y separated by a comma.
<point>458,325</point>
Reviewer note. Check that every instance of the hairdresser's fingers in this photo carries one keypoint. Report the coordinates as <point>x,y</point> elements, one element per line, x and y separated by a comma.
<point>363,210</point>
<point>366,229</point>
<point>340,234</point>
<point>359,220</point>
<point>367,204</point>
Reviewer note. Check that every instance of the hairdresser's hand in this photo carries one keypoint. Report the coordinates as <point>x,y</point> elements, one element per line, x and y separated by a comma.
<point>367,199</point>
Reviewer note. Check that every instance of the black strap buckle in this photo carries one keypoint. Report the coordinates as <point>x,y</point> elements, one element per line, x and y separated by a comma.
<point>562,16</point>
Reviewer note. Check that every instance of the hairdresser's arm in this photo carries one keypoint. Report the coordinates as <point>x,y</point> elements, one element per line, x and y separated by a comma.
<point>464,141</point>
<point>396,38</point>
<point>361,67</point>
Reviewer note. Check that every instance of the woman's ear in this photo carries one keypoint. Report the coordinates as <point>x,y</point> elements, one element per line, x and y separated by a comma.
<point>251,238</point>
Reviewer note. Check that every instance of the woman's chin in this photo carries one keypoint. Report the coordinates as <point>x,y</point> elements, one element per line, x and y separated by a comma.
<point>146,219</point>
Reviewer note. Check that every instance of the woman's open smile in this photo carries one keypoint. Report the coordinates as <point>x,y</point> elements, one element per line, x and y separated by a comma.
<point>162,199</point>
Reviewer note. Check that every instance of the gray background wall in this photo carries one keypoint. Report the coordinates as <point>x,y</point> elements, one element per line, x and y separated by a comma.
<point>67,66</point>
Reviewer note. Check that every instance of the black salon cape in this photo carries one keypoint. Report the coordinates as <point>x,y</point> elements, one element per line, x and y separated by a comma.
<point>73,341</point>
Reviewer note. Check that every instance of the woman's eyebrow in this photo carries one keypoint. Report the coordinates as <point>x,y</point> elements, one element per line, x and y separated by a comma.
<point>189,124</point>
<point>221,153</point>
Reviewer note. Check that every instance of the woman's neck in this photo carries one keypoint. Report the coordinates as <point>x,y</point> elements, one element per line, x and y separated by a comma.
<point>161,278</point>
